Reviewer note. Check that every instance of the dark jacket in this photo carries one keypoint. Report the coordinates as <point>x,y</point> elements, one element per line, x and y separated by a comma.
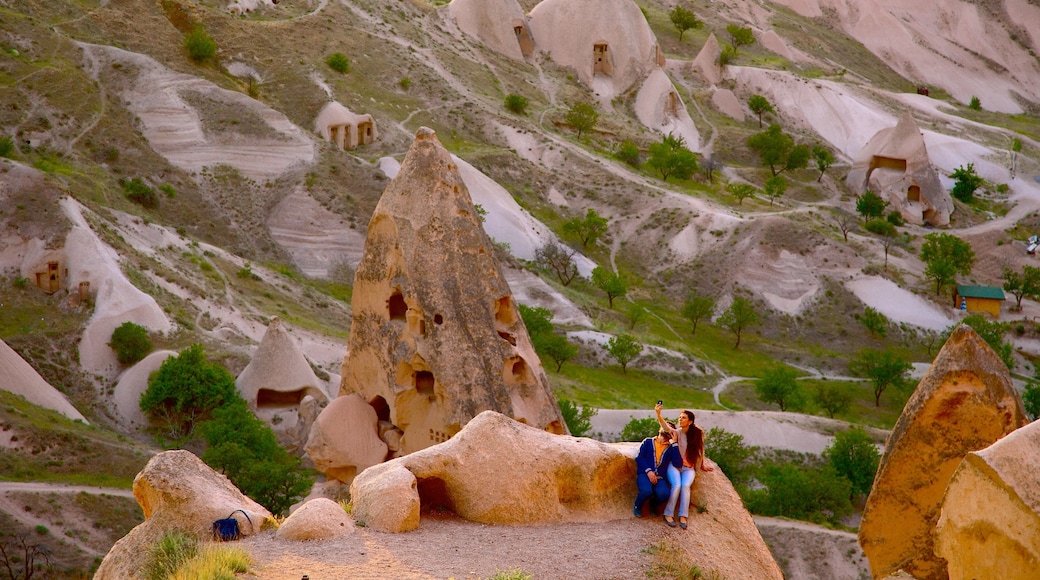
<point>646,460</point>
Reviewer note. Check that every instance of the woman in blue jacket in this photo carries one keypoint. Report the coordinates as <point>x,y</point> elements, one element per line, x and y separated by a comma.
<point>656,454</point>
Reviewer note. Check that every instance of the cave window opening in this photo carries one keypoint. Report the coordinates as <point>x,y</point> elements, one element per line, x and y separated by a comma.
<point>424,382</point>
<point>397,306</point>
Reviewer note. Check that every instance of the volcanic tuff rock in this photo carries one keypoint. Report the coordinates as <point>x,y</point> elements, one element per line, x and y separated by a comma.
<point>990,522</point>
<point>177,491</point>
<point>318,519</point>
<point>964,403</point>
<point>278,375</point>
<point>436,337</point>
<point>18,377</point>
<point>344,439</point>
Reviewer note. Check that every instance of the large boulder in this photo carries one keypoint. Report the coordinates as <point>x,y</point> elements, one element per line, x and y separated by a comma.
<point>964,403</point>
<point>318,519</point>
<point>990,522</point>
<point>436,337</point>
<point>344,439</point>
<point>177,491</point>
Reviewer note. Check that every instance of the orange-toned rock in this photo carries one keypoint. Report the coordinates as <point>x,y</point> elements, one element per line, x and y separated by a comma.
<point>318,519</point>
<point>344,440</point>
<point>964,403</point>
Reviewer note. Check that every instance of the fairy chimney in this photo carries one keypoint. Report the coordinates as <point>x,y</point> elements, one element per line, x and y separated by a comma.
<point>436,337</point>
<point>964,403</point>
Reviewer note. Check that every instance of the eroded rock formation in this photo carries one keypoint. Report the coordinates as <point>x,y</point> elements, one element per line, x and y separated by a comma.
<point>18,377</point>
<point>345,438</point>
<point>318,519</point>
<point>964,403</point>
<point>990,522</point>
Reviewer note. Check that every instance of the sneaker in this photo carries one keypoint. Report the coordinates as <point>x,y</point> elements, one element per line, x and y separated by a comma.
<point>637,512</point>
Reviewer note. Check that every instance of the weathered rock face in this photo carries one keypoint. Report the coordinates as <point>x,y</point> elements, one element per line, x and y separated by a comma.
<point>964,404</point>
<point>177,491</point>
<point>318,519</point>
<point>278,375</point>
<point>436,337</point>
<point>344,440</point>
<point>499,24</point>
<point>18,377</point>
<point>990,522</point>
<point>706,59</point>
<point>895,165</point>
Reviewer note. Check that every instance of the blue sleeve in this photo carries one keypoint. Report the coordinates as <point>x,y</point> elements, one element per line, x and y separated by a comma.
<point>674,456</point>
<point>646,460</point>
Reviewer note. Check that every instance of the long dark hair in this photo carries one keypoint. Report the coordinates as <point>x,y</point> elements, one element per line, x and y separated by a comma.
<point>694,439</point>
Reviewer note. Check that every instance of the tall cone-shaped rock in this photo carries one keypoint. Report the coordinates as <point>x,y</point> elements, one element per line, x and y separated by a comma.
<point>436,337</point>
<point>990,522</point>
<point>964,403</point>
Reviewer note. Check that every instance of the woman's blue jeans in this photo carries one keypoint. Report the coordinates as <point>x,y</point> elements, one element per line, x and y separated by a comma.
<point>681,482</point>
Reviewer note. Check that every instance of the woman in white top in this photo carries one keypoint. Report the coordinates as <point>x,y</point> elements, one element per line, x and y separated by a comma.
<point>691,448</point>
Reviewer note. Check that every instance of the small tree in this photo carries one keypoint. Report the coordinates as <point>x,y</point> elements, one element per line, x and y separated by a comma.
<point>639,429</point>
<point>880,227</point>
<point>1031,399</point>
<point>832,398</point>
<point>726,56</point>
<point>583,117</point>
<point>975,104</point>
<point>698,307</point>
<point>855,457</point>
<point>731,454</point>
<point>740,35</point>
<point>635,313</point>
<point>578,418</point>
<point>141,193</point>
<point>741,191</point>
<point>587,229</point>
<point>876,323</point>
<point>759,105</point>
<point>945,256</point>
<point>778,151</point>
<point>131,343</point>
<point>870,206</point>
<point>538,320</point>
<point>185,391</point>
<point>338,62</point>
<point>844,222</point>
<point>1022,285</point>
<point>559,259</point>
<point>671,157</point>
<point>775,187</point>
<point>824,159</point>
<point>884,368</point>
<point>967,181</point>
<point>628,152</point>
<point>200,45</point>
<point>610,283</point>
<point>739,316</point>
<point>779,385</point>
<point>516,104</point>
<point>558,348</point>
<point>683,20</point>
<point>624,349</point>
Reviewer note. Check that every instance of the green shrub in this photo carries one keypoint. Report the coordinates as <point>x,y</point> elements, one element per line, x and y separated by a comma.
<point>21,281</point>
<point>639,429</point>
<point>405,83</point>
<point>6,146</point>
<point>975,104</point>
<point>185,392</point>
<point>854,456</point>
<point>880,227</point>
<point>578,418</point>
<point>729,452</point>
<point>168,190</point>
<point>1031,400</point>
<point>628,152</point>
<point>338,62</point>
<point>214,562</point>
<point>516,103</point>
<point>141,193</point>
<point>200,44</point>
<point>895,218</point>
<point>790,490</point>
<point>131,343</point>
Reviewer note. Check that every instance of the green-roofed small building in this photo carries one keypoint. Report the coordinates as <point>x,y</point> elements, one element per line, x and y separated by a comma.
<point>986,299</point>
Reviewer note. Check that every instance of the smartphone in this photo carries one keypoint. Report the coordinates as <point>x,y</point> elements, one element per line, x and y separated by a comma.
<point>660,402</point>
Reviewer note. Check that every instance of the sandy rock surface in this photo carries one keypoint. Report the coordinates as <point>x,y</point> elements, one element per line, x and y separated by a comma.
<point>318,519</point>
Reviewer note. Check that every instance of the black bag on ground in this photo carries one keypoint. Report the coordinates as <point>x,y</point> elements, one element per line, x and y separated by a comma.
<point>226,530</point>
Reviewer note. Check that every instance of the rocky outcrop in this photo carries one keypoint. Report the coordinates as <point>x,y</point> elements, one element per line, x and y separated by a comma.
<point>344,439</point>
<point>895,165</point>
<point>133,383</point>
<point>498,24</point>
<point>318,519</point>
<point>278,375</point>
<point>990,522</point>
<point>177,491</point>
<point>660,108</point>
<point>436,336</point>
<point>707,60</point>
<point>964,403</point>
<point>18,377</point>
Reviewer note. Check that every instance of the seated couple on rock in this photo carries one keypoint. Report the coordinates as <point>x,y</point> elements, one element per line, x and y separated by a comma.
<point>676,454</point>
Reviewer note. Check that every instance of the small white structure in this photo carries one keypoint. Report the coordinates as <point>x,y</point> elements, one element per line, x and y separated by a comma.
<point>347,130</point>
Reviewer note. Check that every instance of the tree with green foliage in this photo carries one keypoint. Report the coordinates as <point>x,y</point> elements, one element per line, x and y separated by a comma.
<point>844,220</point>
<point>131,343</point>
<point>945,256</point>
<point>779,386</point>
<point>245,449</point>
<point>759,105</point>
<point>537,320</point>
<point>639,429</point>
<point>726,56</point>
<point>577,417</point>
<point>975,104</point>
<point>671,157</point>
<point>546,342</point>
<point>516,104</point>
<point>778,151</point>
<point>880,227</point>
<point>185,391</point>
<point>740,35</point>
<point>740,315</point>
<point>6,146</point>
<point>559,259</point>
<point>624,349</point>
<point>583,117</point>
<point>884,368</point>
<point>683,20</point>
<point>610,283</point>
<point>876,323</point>
<point>558,348</point>
<point>895,218</point>
<point>587,229</point>
<point>628,152</point>
<point>966,182</point>
<point>635,313</point>
<point>338,62</point>
<point>854,456</point>
<point>775,187</point>
<point>731,454</point>
<point>698,307</point>
<point>870,205</point>
<point>990,331</point>
<point>832,398</point>
<point>200,45</point>
<point>824,159</point>
<point>141,193</point>
<point>741,191</point>
<point>1031,399</point>
<point>793,491</point>
<point>1026,284</point>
